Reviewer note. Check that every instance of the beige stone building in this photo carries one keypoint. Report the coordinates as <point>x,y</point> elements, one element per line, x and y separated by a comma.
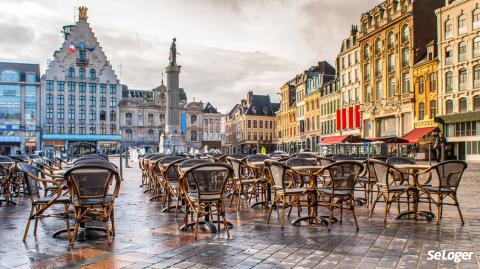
<point>392,38</point>
<point>459,76</point>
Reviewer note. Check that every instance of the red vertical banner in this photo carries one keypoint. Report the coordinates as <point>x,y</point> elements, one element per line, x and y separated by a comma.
<point>357,116</point>
<point>344,118</point>
<point>350,117</point>
<point>339,121</point>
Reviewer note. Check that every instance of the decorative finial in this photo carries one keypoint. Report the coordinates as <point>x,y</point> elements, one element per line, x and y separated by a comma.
<point>162,78</point>
<point>82,13</point>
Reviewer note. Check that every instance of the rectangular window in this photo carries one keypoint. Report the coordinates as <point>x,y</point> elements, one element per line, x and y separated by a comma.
<point>93,101</point>
<point>92,87</point>
<point>103,101</point>
<point>71,86</point>
<point>406,83</point>
<point>49,99</point>
<point>71,114</point>
<point>113,89</point>
<point>60,113</point>
<point>49,85</point>
<point>60,86</point>
<point>113,129</point>
<point>92,115</point>
<point>82,87</point>
<point>113,102</point>
<point>61,128</point>
<point>71,128</point>
<point>103,115</point>
<point>103,88</point>
<point>82,114</point>
<point>60,100</point>
<point>71,100</point>
<point>92,129</point>
<point>81,128</point>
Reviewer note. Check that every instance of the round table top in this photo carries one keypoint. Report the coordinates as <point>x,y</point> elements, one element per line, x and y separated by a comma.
<point>257,164</point>
<point>307,167</point>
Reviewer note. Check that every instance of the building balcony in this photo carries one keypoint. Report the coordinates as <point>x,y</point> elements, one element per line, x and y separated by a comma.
<point>82,61</point>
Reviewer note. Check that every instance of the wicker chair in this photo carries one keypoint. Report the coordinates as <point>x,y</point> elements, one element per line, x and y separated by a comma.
<point>286,194</point>
<point>169,178</point>
<point>182,167</point>
<point>239,180</point>
<point>443,181</point>
<point>388,186</point>
<point>34,179</point>
<point>92,195</point>
<point>6,164</point>
<point>338,192</point>
<point>204,186</point>
<point>256,184</point>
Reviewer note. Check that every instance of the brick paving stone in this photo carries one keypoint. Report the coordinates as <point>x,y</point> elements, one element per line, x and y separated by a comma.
<point>146,237</point>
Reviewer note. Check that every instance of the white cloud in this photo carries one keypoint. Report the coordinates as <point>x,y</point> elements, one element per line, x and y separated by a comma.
<point>227,46</point>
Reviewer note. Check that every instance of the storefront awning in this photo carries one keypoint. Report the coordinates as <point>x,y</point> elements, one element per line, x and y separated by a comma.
<point>461,117</point>
<point>416,134</point>
<point>333,139</point>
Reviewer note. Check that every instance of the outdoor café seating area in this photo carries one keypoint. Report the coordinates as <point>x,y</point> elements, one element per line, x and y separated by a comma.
<point>229,210</point>
<point>301,189</point>
<point>81,191</point>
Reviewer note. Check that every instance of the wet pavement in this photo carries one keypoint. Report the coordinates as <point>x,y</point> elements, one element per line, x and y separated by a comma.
<point>148,238</point>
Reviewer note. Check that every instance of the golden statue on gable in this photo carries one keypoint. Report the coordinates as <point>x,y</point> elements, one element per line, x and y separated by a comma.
<point>82,13</point>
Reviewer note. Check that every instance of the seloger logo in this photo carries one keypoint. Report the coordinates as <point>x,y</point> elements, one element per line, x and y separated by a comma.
<point>456,256</point>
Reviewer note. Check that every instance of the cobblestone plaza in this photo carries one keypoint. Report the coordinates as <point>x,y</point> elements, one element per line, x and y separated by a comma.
<point>149,238</point>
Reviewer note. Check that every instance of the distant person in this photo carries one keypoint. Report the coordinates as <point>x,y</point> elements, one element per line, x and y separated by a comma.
<point>440,146</point>
<point>264,150</point>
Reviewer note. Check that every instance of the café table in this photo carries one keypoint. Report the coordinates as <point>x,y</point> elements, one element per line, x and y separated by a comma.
<point>413,170</point>
<point>311,217</point>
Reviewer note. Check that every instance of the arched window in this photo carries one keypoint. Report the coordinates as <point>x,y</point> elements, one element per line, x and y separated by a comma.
<point>448,29</point>
<point>433,109</point>
<point>10,76</point>
<point>405,34</point>
<point>93,74</point>
<point>71,72</point>
<point>449,107</point>
<point>391,40</point>
<point>378,46</point>
<point>476,18</point>
<point>462,79</point>
<point>421,111</point>
<point>476,102</point>
<point>462,51</point>
<point>421,85</point>
<point>193,135</point>
<point>193,119</point>
<point>448,55</point>
<point>462,105</point>
<point>476,47</point>
<point>462,24</point>
<point>81,73</point>
<point>366,51</point>
<point>476,76</point>
<point>128,118</point>
<point>449,82</point>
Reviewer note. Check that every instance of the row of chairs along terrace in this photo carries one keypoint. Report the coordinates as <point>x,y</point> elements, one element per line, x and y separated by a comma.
<point>299,187</point>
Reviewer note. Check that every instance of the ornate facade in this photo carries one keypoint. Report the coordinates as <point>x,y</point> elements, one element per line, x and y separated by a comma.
<point>459,76</point>
<point>393,37</point>
<point>80,94</point>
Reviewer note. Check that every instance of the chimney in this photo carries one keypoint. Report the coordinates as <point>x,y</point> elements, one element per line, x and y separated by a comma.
<point>249,97</point>
<point>354,30</point>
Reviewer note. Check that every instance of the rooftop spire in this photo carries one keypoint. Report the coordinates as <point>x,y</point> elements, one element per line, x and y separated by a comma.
<point>82,13</point>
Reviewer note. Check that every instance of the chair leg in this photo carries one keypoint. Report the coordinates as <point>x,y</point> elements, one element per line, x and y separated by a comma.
<point>28,224</point>
<point>330,215</point>
<point>107,227</point>
<point>112,220</point>
<point>387,206</point>
<point>197,222</point>
<point>78,213</point>
<point>239,198</point>
<point>67,220</point>
<point>274,202</point>
<point>439,208</point>
<point>352,201</point>
<point>283,209</point>
<point>341,209</point>
<point>458,208</point>
<point>373,205</point>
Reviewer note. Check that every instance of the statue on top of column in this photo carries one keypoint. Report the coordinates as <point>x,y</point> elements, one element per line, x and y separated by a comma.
<point>173,53</point>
